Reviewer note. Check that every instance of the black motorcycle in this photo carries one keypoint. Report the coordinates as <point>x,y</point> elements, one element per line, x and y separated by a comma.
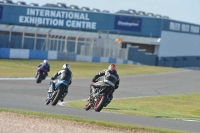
<point>41,75</point>
<point>99,97</point>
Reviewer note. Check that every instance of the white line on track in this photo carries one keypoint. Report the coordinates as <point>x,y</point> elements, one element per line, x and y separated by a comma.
<point>19,78</point>
<point>61,103</point>
<point>192,120</point>
<point>32,78</point>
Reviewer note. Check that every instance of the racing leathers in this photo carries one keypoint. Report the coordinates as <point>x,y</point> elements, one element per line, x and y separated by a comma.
<point>110,77</point>
<point>45,67</point>
<point>64,74</point>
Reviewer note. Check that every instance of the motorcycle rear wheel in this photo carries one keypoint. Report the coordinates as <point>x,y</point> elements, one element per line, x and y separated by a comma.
<point>38,78</point>
<point>100,103</point>
<point>57,97</point>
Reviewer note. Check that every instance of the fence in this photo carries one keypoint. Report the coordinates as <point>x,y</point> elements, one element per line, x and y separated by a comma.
<point>55,55</point>
<point>82,43</point>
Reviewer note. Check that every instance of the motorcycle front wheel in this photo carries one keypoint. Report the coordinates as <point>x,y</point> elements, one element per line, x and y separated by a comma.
<point>87,106</point>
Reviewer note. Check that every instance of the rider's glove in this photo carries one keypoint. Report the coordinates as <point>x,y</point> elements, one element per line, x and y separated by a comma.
<point>52,78</point>
<point>93,80</point>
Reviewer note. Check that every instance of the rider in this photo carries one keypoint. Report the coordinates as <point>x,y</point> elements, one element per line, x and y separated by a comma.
<point>64,74</point>
<point>110,77</point>
<point>44,66</point>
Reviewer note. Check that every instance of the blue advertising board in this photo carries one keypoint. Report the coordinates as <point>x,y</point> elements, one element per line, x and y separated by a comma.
<point>79,20</point>
<point>128,23</point>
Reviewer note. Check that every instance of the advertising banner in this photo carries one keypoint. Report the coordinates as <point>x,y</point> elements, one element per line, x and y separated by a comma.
<point>79,20</point>
<point>57,18</point>
<point>128,23</point>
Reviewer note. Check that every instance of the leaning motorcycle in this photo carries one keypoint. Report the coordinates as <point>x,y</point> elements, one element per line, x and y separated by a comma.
<point>99,97</point>
<point>41,74</point>
<point>61,87</point>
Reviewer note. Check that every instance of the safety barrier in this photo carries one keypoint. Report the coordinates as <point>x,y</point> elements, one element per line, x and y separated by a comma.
<point>7,53</point>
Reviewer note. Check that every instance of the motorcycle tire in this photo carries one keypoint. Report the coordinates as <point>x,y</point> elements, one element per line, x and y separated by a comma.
<point>87,106</point>
<point>57,97</point>
<point>38,78</point>
<point>100,103</point>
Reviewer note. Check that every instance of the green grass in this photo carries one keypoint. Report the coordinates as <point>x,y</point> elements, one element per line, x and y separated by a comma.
<point>185,106</point>
<point>27,68</point>
<point>120,126</point>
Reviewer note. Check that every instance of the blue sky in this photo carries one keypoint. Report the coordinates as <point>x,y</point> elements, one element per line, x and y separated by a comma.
<point>182,10</point>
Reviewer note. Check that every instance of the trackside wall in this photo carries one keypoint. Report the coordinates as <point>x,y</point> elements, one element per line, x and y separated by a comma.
<point>7,53</point>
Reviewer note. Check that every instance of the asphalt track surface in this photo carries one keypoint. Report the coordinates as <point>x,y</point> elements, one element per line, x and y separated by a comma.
<point>27,95</point>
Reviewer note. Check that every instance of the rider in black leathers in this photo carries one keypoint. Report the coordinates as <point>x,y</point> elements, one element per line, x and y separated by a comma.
<point>110,77</point>
<point>64,74</point>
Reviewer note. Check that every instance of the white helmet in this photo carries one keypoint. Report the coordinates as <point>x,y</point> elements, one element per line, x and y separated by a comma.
<point>45,61</point>
<point>66,66</point>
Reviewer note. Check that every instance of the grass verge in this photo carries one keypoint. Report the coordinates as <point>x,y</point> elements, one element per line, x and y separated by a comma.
<point>128,127</point>
<point>27,68</point>
<point>186,106</point>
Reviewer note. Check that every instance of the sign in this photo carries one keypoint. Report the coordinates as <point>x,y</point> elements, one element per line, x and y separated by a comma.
<point>80,20</point>
<point>50,17</point>
<point>128,23</point>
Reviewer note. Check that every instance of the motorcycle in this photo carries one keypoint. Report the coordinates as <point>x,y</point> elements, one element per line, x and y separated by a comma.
<point>99,97</point>
<point>41,75</point>
<point>58,93</point>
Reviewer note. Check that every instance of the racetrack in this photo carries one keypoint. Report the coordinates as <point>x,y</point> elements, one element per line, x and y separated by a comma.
<point>27,95</point>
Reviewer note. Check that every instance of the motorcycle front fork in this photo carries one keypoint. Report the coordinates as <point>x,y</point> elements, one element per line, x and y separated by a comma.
<point>49,95</point>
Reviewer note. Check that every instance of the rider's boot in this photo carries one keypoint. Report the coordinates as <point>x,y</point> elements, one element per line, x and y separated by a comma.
<point>109,100</point>
<point>46,74</point>
<point>62,99</point>
<point>65,93</point>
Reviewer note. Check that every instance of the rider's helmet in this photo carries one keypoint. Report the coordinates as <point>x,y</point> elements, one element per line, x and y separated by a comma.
<point>66,66</point>
<point>45,61</point>
<point>112,67</point>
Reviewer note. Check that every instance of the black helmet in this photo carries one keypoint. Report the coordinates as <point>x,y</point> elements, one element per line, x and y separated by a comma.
<point>66,66</point>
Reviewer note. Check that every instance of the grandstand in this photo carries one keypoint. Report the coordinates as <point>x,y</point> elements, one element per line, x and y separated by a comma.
<point>73,31</point>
